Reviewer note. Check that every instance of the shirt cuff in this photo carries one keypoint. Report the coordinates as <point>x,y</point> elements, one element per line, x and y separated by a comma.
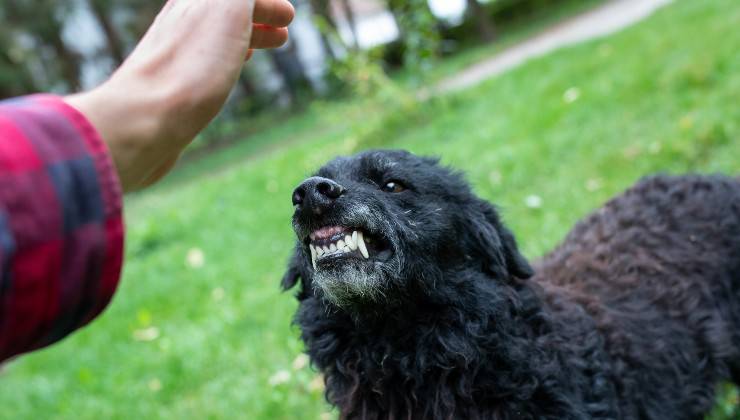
<point>65,271</point>
<point>112,197</point>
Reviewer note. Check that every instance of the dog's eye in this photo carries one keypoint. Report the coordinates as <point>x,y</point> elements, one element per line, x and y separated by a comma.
<point>394,187</point>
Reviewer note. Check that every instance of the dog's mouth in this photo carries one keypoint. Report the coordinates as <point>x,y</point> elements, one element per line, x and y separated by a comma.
<point>338,243</point>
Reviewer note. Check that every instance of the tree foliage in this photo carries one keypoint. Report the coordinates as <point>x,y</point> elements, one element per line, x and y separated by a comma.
<point>419,31</point>
<point>35,56</point>
<point>33,31</point>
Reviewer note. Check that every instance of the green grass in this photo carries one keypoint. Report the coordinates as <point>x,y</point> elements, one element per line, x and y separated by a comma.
<point>510,33</point>
<point>182,341</point>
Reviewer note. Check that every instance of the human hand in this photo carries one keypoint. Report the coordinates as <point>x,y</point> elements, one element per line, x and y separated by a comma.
<point>177,79</point>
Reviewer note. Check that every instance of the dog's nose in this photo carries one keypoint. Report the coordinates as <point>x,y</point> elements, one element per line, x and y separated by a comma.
<point>317,193</point>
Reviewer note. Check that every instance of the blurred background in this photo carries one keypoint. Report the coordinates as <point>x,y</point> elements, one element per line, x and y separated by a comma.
<point>549,106</point>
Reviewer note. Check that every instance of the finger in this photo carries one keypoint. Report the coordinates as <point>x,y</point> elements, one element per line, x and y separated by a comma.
<point>250,53</point>
<point>264,36</point>
<point>278,13</point>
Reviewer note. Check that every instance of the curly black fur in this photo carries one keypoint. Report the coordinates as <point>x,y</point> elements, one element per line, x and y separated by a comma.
<point>636,315</point>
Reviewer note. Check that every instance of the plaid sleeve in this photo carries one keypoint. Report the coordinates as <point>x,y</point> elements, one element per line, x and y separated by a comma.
<point>61,227</point>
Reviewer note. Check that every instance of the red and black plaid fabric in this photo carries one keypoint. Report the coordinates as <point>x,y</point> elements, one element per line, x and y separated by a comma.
<point>61,226</point>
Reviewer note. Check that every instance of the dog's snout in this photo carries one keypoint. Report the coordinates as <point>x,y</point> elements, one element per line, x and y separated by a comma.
<point>317,193</point>
<point>329,189</point>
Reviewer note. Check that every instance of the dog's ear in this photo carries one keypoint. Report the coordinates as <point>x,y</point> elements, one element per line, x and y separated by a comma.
<point>297,271</point>
<point>498,246</point>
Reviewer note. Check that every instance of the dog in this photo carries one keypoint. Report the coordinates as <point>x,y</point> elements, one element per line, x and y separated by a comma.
<point>415,302</point>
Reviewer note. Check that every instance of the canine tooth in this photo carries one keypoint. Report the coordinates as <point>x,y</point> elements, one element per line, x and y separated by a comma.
<point>313,256</point>
<point>354,236</point>
<point>361,245</point>
<point>332,248</point>
<point>350,243</point>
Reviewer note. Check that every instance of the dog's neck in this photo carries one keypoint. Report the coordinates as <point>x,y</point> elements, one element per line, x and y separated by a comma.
<point>468,334</point>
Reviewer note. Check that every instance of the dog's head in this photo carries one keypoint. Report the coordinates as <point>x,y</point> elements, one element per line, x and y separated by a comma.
<point>386,227</point>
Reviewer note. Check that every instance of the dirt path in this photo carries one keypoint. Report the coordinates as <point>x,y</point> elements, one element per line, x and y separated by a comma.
<point>608,18</point>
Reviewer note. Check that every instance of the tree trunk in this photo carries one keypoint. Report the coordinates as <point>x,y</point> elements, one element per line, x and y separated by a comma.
<point>70,61</point>
<point>113,39</point>
<point>291,69</point>
<point>486,28</point>
<point>321,9</point>
<point>349,13</point>
<point>247,86</point>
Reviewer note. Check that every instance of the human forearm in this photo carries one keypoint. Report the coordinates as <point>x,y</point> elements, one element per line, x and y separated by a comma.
<point>177,79</point>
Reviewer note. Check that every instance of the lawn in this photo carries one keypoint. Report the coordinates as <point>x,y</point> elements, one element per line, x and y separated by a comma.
<point>199,328</point>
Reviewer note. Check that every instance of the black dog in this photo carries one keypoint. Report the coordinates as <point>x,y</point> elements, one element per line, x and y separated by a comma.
<point>416,304</point>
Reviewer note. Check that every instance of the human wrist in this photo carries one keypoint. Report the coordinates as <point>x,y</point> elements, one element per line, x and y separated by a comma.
<point>129,121</point>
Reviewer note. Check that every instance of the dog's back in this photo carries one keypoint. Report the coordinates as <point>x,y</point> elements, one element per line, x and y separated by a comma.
<point>658,268</point>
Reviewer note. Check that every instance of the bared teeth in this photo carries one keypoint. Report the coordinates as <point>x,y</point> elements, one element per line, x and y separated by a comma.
<point>313,256</point>
<point>351,243</point>
<point>361,245</point>
<point>348,244</point>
